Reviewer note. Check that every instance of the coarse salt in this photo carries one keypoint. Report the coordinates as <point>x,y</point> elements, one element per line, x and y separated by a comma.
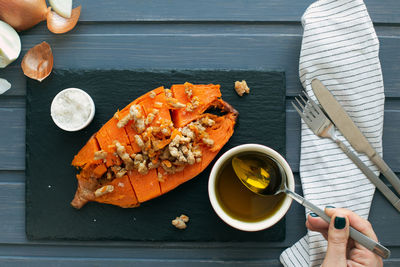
<point>71,109</point>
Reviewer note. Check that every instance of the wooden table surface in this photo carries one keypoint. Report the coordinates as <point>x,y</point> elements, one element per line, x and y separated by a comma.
<point>184,34</point>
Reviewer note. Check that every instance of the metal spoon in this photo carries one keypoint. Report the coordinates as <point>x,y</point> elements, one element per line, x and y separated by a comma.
<point>254,179</point>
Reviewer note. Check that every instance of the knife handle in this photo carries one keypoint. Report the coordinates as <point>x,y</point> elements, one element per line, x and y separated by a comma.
<point>386,171</point>
<point>371,176</point>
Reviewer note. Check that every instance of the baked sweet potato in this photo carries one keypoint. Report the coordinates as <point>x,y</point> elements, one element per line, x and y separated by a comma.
<point>159,141</point>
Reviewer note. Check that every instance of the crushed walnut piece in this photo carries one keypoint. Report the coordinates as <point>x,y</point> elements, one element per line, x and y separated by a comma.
<point>241,88</point>
<point>161,145</point>
<point>152,94</point>
<point>150,118</point>
<point>194,103</point>
<point>173,102</point>
<point>124,121</point>
<point>160,177</point>
<point>100,155</point>
<point>180,222</point>
<point>104,190</point>
<point>139,141</point>
<point>121,173</point>
<point>188,89</point>
<point>158,104</point>
<point>138,118</point>
<point>168,92</point>
<point>124,156</point>
<point>208,141</point>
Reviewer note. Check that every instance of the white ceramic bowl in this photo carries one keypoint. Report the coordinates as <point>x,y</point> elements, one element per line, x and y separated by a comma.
<point>84,124</point>
<point>250,226</point>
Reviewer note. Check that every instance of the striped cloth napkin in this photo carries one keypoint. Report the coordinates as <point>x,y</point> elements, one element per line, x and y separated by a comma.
<point>340,48</point>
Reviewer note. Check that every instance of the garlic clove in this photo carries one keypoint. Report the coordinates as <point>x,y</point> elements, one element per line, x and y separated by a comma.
<point>62,7</point>
<point>10,44</point>
<point>38,62</point>
<point>58,24</point>
<point>4,86</point>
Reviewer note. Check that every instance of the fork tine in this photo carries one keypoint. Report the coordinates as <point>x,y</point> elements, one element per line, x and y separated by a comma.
<point>306,94</point>
<point>304,101</point>
<point>300,104</point>
<point>314,105</point>
<point>307,108</point>
<point>306,120</point>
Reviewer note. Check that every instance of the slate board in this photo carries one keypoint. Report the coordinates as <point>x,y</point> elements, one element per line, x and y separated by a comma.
<point>51,183</point>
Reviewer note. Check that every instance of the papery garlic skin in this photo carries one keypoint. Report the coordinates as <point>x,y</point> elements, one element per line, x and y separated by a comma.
<point>62,7</point>
<point>10,44</point>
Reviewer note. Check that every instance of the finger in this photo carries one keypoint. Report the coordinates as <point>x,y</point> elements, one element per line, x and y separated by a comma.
<point>365,257</point>
<point>357,254</point>
<point>317,222</point>
<point>338,234</point>
<point>356,221</point>
<point>318,225</point>
<point>324,232</point>
<point>351,263</point>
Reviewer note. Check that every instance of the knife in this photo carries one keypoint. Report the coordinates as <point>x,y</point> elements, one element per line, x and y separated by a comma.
<point>350,131</point>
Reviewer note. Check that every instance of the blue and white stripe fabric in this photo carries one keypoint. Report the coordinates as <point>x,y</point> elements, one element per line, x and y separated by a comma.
<point>340,48</point>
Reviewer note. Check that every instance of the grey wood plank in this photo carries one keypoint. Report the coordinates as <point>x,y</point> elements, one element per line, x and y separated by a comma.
<point>12,143</point>
<point>183,253</point>
<point>194,27</point>
<point>186,51</point>
<point>61,262</point>
<point>208,10</point>
<point>12,177</point>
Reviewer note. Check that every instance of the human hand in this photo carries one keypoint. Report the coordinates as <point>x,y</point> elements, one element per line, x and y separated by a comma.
<point>343,251</point>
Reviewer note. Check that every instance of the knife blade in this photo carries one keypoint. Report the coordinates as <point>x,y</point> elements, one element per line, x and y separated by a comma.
<point>350,131</point>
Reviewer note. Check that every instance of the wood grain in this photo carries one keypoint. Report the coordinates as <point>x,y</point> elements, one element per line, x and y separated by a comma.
<point>209,10</point>
<point>219,50</point>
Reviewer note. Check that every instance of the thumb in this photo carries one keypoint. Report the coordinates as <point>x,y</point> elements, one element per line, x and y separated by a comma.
<point>338,235</point>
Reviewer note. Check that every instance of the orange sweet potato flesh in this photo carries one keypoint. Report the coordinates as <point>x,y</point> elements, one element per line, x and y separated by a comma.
<point>86,154</point>
<point>134,188</point>
<point>171,181</point>
<point>220,133</point>
<point>122,196</point>
<point>106,137</point>
<point>206,94</point>
<point>163,112</point>
<point>146,185</point>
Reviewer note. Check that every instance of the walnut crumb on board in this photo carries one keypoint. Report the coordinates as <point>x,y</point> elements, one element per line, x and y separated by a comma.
<point>241,87</point>
<point>180,222</point>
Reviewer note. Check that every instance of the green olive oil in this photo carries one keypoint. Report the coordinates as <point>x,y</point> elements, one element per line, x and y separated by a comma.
<point>237,200</point>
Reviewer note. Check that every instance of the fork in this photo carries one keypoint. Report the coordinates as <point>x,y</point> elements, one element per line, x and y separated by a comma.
<point>322,126</point>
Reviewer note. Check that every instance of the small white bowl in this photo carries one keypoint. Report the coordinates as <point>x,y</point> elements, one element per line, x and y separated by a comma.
<point>91,109</point>
<point>242,225</point>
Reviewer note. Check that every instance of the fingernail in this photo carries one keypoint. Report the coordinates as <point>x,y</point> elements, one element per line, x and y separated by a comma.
<point>330,207</point>
<point>340,222</point>
<point>313,214</point>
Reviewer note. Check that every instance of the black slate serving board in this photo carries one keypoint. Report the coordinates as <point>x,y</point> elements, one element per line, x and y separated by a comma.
<point>51,183</point>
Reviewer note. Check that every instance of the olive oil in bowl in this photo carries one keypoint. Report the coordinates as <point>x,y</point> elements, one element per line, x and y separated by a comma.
<point>237,200</point>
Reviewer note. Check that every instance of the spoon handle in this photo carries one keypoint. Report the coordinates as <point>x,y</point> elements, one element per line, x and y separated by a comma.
<point>357,236</point>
